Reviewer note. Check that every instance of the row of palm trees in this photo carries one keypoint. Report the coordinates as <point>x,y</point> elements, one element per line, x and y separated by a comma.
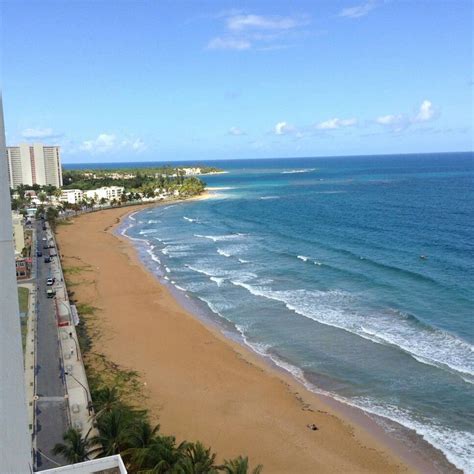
<point>125,430</point>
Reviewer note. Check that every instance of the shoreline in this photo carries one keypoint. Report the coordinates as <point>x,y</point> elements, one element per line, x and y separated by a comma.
<point>354,442</point>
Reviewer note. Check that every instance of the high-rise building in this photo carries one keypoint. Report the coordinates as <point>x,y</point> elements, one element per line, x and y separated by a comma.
<point>34,164</point>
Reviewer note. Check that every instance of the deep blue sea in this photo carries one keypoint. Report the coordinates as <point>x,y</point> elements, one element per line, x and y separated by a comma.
<point>354,274</point>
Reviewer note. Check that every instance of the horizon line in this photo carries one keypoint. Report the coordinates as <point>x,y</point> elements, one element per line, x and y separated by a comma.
<point>272,158</point>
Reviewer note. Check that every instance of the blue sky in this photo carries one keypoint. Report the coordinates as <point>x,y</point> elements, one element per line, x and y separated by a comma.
<point>164,80</point>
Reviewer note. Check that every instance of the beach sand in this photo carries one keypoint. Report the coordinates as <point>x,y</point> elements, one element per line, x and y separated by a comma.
<point>202,386</point>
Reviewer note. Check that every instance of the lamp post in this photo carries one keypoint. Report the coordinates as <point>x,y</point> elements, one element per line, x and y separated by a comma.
<point>75,342</point>
<point>89,401</point>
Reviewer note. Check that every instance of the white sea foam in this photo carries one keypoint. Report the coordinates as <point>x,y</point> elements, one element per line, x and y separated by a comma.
<point>306,170</point>
<point>302,257</point>
<point>153,221</point>
<point>456,445</point>
<point>223,253</point>
<point>241,260</point>
<point>176,250</point>
<point>429,346</point>
<point>219,238</point>
<point>179,287</point>
<point>217,307</point>
<point>201,270</point>
<point>166,278</point>
<point>189,219</point>
<point>167,270</point>
<point>218,280</point>
<point>135,239</point>
<point>265,198</point>
<point>153,256</point>
<point>148,231</point>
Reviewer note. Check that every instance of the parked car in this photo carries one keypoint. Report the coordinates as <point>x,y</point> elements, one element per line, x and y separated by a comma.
<point>50,293</point>
<point>39,253</point>
<point>47,259</point>
<point>50,281</point>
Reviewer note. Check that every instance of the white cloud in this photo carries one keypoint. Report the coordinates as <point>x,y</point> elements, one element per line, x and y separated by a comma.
<point>241,22</point>
<point>399,122</point>
<point>390,119</point>
<point>335,123</point>
<point>229,43</point>
<point>243,31</point>
<point>425,112</point>
<point>138,144</point>
<point>282,128</point>
<point>358,11</point>
<point>236,131</point>
<point>40,133</point>
<point>108,143</point>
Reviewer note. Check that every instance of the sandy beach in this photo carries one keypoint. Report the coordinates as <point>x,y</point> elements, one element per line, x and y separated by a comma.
<point>200,385</point>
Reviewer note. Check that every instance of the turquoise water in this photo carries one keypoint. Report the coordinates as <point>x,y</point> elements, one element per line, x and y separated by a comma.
<point>316,264</point>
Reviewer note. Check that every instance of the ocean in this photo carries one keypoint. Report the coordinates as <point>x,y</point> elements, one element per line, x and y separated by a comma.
<point>353,274</point>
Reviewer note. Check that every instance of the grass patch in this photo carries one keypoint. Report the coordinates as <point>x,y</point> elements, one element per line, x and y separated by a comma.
<point>64,222</point>
<point>85,309</point>
<point>23,298</point>
<point>23,294</point>
<point>76,270</point>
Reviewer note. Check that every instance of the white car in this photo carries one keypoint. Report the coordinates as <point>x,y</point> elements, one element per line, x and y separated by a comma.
<point>50,281</point>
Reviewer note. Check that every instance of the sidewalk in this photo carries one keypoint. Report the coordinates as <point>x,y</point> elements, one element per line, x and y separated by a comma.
<point>78,393</point>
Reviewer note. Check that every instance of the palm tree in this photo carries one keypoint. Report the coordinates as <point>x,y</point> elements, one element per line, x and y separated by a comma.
<point>141,437</point>
<point>75,448</point>
<point>197,459</point>
<point>114,428</point>
<point>239,465</point>
<point>161,456</point>
<point>106,399</point>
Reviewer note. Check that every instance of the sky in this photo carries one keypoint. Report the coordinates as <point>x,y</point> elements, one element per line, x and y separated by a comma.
<point>154,80</point>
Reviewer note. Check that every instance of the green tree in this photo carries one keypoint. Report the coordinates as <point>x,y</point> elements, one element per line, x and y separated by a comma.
<point>239,465</point>
<point>39,212</point>
<point>142,435</point>
<point>115,429</point>
<point>75,448</point>
<point>42,197</point>
<point>196,459</point>
<point>160,456</point>
<point>105,400</point>
<point>51,216</point>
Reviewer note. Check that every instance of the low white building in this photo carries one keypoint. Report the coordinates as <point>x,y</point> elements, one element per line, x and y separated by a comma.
<point>106,192</point>
<point>72,196</point>
<point>18,232</point>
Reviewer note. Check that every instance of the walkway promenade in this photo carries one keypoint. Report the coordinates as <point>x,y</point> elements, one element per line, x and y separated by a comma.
<point>62,397</point>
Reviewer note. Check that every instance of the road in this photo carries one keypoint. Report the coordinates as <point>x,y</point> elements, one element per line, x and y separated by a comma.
<point>51,406</point>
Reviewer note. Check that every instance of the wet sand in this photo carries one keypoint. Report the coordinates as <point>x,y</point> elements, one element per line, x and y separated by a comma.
<point>202,386</point>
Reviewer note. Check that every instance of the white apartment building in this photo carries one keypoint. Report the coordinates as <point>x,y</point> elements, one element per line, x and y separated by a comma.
<point>72,196</point>
<point>18,233</point>
<point>107,192</point>
<point>34,164</point>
